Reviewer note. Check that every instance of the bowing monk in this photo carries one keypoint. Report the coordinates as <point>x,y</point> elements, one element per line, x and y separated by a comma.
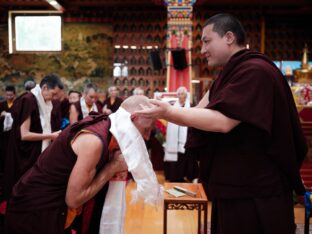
<point>72,170</point>
<point>246,133</point>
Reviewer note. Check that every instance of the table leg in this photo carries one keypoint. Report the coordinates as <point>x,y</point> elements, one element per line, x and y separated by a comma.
<point>205,217</point>
<point>199,217</point>
<point>306,222</point>
<point>165,218</point>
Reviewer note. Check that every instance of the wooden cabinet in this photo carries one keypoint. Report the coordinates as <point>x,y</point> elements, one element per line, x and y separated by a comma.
<point>136,34</point>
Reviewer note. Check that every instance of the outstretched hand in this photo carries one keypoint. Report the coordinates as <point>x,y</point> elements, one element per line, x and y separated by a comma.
<point>158,110</point>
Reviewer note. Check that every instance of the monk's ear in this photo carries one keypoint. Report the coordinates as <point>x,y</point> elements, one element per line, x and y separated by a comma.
<point>44,87</point>
<point>133,117</point>
<point>230,37</point>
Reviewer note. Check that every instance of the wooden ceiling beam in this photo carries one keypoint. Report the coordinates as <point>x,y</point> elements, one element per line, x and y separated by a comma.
<point>14,3</point>
<point>94,3</point>
<point>253,3</point>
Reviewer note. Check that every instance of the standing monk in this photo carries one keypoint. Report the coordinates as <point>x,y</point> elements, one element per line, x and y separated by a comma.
<point>5,126</point>
<point>10,94</point>
<point>248,136</point>
<point>31,131</point>
<point>85,105</point>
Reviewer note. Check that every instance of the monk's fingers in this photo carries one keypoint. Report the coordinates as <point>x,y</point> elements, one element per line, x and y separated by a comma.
<point>144,107</point>
<point>156,102</point>
<point>122,163</point>
<point>142,113</point>
<point>119,161</point>
<point>151,111</point>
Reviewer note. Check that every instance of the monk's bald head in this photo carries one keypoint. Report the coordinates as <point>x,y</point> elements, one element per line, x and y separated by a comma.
<point>143,124</point>
<point>135,103</point>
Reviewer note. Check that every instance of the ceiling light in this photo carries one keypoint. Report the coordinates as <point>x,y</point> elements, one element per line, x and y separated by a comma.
<point>55,5</point>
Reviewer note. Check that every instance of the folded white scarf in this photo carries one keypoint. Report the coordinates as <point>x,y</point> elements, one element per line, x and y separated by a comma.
<point>114,209</point>
<point>133,148</point>
<point>45,109</point>
<point>175,138</point>
<point>8,121</point>
<point>84,108</point>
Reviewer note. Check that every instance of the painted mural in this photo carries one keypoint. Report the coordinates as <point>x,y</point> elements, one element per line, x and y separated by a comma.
<point>86,57</point>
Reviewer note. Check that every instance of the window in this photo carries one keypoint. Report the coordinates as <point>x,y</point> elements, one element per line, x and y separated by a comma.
<point>35,31</point>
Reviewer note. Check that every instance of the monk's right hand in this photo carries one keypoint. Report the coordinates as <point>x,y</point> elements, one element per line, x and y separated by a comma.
<point>158,110</point>
<point>54,135</point>
<point>107,111</point>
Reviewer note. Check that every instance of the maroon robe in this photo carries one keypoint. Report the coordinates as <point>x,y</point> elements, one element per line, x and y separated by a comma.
<point>112,106</point>
<point>3,107</point>
<point>59,112</point>
<point>38,203</point>
<point>21,155</point>
<point>260,158</point>
<point>65,108</point>
<point>4,136</point>
<point>56,116</point>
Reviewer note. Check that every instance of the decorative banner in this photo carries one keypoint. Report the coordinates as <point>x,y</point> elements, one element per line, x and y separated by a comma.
<point>179,36</point>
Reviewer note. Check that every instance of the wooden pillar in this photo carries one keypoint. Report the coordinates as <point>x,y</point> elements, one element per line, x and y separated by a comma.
<point>262,35</point>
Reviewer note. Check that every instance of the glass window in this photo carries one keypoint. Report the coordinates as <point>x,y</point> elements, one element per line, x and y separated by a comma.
<point>35,32</point>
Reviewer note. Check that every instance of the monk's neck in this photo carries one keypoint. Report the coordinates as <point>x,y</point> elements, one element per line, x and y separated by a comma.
<point>236,49</point>
<point>89,107</point>
<point>10,103</point>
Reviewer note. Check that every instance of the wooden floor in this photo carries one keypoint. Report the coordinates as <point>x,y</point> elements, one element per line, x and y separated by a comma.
<point>145,219</point>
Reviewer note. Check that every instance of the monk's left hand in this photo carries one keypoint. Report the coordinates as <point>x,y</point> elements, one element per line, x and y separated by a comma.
<point>118,162</point>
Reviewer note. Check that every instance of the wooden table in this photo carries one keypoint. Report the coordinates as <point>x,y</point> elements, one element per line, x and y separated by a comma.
<point>200,202</point>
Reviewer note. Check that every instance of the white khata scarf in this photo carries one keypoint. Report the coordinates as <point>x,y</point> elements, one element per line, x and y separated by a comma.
<point>133,148</point>
<point>84,108</point>
<point>45,109</point>
<point>7,122</point>
<point>175,138</point>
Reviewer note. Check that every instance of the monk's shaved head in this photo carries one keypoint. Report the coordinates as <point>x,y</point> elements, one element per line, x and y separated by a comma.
<point>143,124</point>
<point>135,103</point>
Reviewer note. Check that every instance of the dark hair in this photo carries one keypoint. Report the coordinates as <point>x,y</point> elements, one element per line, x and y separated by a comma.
<point>10,88</point>
<point>52,81</point>
<point>223,23</point>
<point>74,91</point>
